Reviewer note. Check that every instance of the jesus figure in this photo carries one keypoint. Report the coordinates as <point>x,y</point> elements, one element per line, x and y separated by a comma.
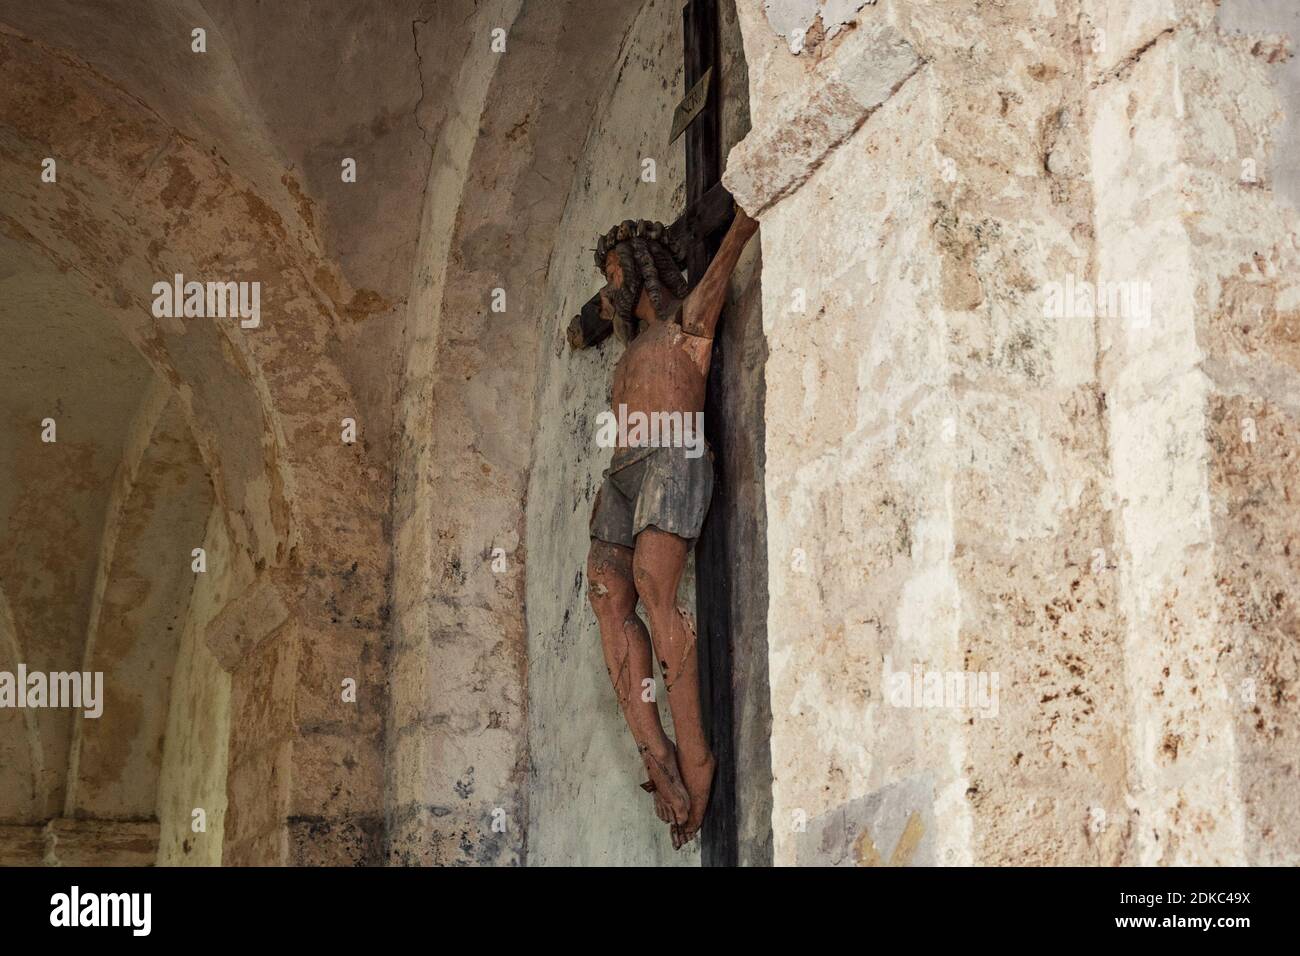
<point>652,503</point>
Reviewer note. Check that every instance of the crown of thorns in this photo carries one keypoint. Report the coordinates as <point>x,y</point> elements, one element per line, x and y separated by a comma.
<point>630,229</point>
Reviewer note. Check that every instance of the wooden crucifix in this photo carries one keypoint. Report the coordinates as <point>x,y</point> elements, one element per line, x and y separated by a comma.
<point>720,844</point>
<point>655,501</point>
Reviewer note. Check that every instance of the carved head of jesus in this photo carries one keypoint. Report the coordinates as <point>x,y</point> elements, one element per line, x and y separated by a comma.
<point>636,257</point>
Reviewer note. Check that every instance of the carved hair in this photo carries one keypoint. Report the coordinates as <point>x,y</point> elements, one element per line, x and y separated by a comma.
<point>649,259</point>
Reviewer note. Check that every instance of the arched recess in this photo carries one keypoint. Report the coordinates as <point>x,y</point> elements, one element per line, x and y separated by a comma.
<point>157,515</point>
<point>585,808</point>
<point>582,809</point>
<point>480,411</point>
<point>64,365</point>
<point>457,789</point>
<point>135,203</point>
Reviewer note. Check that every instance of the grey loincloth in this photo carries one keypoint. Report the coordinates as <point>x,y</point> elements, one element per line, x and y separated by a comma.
<point>652,486</point>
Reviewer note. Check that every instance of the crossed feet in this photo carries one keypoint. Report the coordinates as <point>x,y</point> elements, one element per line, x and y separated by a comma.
<point>680,789</point>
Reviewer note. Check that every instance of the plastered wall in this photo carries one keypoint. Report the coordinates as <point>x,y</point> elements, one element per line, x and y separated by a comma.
<point>585,806</point>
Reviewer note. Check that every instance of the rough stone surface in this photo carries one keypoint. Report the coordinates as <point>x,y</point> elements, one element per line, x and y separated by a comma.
<point>458,769</point>
<point>929,473</point>
<point>891,827</point>
<point>1059,502</point>
<point>139,200</point>
<point>843,90</point>
<point>70,842</point>
<point>195,756</point>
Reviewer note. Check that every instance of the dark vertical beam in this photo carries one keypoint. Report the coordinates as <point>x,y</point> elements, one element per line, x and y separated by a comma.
<point>712,557</point>
<point>704,135</point>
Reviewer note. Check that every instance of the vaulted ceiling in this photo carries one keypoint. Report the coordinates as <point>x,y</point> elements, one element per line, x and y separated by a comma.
<point>96,528</point>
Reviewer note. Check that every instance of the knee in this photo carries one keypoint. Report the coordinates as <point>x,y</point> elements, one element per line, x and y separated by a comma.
<point>611,596</point>
<point>612,607</point>
<point>656,593</point>
<point>599,595</point>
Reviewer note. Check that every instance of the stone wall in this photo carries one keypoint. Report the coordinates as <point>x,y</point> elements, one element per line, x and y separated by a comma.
<point>1014,412</point>
<point>963,481</point>
<point>458,770</point>
<point>305,510</point>
<point>1248,303</point>
<point>431,701</point>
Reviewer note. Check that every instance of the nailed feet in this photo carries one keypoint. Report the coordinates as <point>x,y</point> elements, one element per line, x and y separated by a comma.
<point>680,789</point>
<point>672,800</point>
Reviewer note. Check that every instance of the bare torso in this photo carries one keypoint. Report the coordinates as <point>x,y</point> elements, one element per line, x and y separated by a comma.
<point>662,370</point>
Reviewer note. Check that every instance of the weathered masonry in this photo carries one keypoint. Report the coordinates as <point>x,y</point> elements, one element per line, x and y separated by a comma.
<point>1004,560</point>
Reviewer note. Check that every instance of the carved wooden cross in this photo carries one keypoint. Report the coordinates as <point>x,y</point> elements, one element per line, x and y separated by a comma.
<point>708,213</point>
<point>720,833</point>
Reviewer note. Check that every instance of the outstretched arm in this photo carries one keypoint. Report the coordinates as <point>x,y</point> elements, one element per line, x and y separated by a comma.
<point>703,306</point>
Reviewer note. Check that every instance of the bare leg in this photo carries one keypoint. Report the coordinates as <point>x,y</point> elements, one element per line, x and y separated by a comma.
<point>628,659</point>
<point>657,565</point>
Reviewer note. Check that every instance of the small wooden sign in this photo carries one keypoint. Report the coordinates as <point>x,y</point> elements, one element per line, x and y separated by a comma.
<point>691,106</point>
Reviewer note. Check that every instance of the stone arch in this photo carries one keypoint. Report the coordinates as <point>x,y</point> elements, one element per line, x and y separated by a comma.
<point>511,193</point>
<point>137,202</point>
<point>120,190</point>
<point>497,186</point>
<point>139,608</point>
<point>20,741</point>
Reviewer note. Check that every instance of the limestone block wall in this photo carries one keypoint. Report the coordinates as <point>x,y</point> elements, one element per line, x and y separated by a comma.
<point>1204,425</point>
<point>1181,738</point>
<point>1023,564</point>
<point>859,543</point>
<point>1248,283</point>
<point>1042,775</point>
